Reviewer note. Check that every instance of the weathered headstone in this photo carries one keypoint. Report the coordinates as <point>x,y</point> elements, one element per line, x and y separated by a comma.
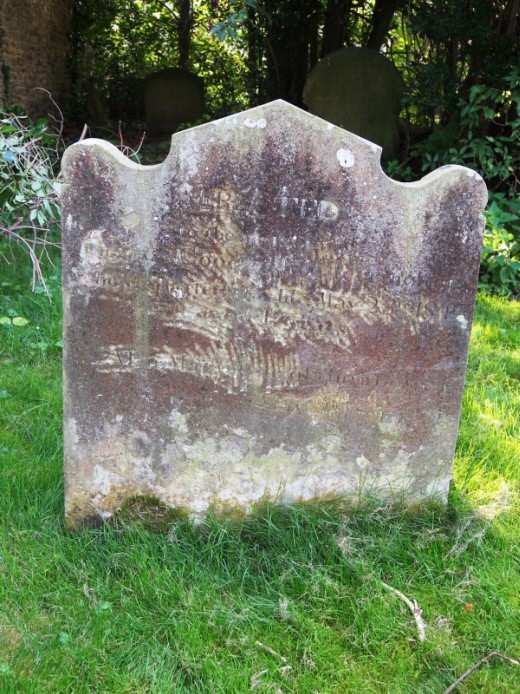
<point>96,111</point>
<point>361,90</point>
<point>172,96</point>
<point>265,315</point>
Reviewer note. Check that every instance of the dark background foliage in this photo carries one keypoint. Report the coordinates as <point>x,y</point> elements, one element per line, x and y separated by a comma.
<point>459,59</point>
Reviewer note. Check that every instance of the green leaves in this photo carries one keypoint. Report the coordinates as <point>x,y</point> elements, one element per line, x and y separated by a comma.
<point>65,638</point>
<point>20,321</point>
<point>17,321</point>
<point>495,156</point>
<point>29,194</point>
<point>9,156</point>
<point>501,253</point>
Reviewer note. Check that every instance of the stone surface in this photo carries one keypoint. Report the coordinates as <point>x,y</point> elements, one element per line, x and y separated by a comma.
<point>265,315</point>
<point>172,96</point>
<point>360,90</point>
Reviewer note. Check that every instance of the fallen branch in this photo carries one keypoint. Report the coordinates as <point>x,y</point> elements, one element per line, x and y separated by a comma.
<point>60,120</point>
<point>414,609</point>
<point>453,686</point>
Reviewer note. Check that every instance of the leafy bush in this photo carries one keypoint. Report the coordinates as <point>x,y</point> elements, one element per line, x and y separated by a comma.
<point>29,191</point>
<point>500,268</point>
<point>486,138</point>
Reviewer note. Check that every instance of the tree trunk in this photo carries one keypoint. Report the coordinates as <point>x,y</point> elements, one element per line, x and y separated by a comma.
<point>184,27</point>
<point>335,26</point>
<point>253,67</point>
<point>384,11</point>
<point>287,38</point>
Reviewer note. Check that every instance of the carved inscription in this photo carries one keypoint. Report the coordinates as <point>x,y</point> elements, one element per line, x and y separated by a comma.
<point>281,313</point>
<point>220,203</point>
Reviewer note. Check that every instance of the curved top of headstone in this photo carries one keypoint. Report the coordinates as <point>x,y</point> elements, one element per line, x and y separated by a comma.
<point>332,148</point>
<point>178,73</point>
<point>266,145</point>
<point>357,66</point>
<point>269,144</point>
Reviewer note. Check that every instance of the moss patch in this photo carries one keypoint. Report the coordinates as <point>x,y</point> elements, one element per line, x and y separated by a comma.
<point>147,512</point>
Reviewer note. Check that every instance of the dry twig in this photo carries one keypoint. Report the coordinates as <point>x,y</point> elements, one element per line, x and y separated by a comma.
<point>126,149</point>
<point>60,121</point>
<point>271,651</point>
<point>256,680</point>
<point>414,609</point>
<point>453,686</point>
<point>29,246</point>
<point>84,133</point>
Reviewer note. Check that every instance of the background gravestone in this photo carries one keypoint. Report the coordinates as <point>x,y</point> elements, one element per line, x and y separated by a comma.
<point>172,96</point>
<point>96,111</point>
<point>265,315</point>
<point>360,90</point>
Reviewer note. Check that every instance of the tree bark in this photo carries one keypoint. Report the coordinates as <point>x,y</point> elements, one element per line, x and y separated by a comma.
<point>335,27</point>
<point>253,69</point>
<point>384,11</point>
<point>184,28</point>
<point>287,38</point>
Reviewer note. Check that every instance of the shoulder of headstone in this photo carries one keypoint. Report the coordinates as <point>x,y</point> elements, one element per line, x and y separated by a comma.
<point>451,177</point>
<point>99,149</point>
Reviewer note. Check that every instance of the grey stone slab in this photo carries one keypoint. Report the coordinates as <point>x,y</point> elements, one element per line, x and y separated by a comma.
<point>265,315</point>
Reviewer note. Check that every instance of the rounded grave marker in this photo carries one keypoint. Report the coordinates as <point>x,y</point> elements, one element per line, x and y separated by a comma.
<point>360,90</point>
<point>172,96</point>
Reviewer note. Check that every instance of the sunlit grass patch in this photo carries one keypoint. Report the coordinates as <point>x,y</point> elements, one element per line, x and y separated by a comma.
<point>487,464</point>
<point>291,599</point>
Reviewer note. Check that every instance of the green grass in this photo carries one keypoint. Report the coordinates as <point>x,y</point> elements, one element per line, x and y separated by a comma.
<point>125,610</point>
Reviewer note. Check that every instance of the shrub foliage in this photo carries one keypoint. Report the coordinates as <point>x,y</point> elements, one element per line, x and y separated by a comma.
<point>29,189</point>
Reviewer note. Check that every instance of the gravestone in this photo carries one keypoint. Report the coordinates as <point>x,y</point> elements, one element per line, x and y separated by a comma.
<point>96,111</point>
<point>265,315</point>
<point>172,96</point>
<point>360,90</point>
